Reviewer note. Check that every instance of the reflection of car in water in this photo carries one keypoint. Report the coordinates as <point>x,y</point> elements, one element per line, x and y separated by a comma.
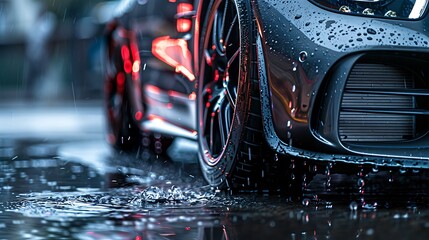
<point>330,81</point>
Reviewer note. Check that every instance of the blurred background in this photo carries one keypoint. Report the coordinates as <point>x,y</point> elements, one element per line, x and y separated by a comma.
<point>50,50</point>
<point>51,71</point>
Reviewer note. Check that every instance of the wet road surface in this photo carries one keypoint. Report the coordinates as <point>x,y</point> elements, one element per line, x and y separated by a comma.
<point>60,180</point>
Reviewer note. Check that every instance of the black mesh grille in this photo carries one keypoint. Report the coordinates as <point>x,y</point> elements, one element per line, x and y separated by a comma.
<point>378,104</point>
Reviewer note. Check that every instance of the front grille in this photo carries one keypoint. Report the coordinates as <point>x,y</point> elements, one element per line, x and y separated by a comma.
<point>380,104</point>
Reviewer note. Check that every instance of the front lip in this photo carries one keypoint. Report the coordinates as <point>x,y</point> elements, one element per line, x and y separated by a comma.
<point>327,37</point>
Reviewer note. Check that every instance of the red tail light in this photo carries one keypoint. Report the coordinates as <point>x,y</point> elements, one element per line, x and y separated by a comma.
<point>175,53</point>
<point>184,24</point>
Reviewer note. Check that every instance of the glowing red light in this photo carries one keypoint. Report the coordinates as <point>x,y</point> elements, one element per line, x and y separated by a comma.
<point>174,94</point>
<point>138,116</point>
<point>156,118</point>
<point>187,228</point>
<point>183,25</point>
<point>216,78</point>
<point>135,51</point>
<point>139,238</point>
<point>136,66</point>
<point>184,7</point>
<point>120,79</point>
<point>125,52</point>
<point>175,53</point>
<point>153,89</point>
<point>128,66</point>
<point>192,96</point>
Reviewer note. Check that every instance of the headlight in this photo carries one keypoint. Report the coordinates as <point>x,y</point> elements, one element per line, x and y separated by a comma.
<point>405,9</point>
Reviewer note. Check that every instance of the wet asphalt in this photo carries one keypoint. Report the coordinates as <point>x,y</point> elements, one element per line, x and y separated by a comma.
<point>59,179</point>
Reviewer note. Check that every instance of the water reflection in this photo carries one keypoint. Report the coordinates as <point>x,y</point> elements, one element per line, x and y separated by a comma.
<point>117,215</point>
<point>47,194</point>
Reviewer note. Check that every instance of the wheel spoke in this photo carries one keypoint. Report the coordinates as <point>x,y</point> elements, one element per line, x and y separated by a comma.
<point>212,117</point>
<point>230,97</point>
<point>208,89</point>
<point>215,34</point>
<point>208,58</point>
<point>211,96</point>
<point>224,120</point>
<point>223,22</point>
<point>208,100</point>
<point>218,91</point>
<point>234,56</point>
<point>230,30</point>
<point>205,116</point>
<point>231,93</point>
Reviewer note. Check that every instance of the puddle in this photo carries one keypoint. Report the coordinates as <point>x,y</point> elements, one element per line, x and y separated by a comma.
<point>53,196</point>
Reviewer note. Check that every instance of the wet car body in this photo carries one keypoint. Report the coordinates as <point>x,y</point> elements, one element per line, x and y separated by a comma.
<point>310,53</point>
<point>335,86</point>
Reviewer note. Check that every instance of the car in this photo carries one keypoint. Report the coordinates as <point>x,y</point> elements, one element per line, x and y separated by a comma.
<point>327,81</point>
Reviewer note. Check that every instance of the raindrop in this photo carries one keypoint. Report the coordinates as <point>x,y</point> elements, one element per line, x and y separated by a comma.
<point>303,56</point>
<point>371,31</point>
<point>353,206</point>
<point>294,66</point>
<point>360,183</point>
<point>328,177</point>
<point>314,168</point>
<point>390,176</point>
<point>305,202</point>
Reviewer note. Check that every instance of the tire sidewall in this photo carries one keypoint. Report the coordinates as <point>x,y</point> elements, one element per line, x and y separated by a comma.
<point>219,171</point>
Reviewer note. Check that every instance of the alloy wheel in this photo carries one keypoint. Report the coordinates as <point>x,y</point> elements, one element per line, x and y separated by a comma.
<point>220,73</point>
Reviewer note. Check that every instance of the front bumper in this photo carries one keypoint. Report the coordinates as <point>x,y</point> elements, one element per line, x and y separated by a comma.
<point>305,55</point>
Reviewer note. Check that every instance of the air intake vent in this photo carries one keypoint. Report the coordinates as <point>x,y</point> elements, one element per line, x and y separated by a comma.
<point>379,104</point>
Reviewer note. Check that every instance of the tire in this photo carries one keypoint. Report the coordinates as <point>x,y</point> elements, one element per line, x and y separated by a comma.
<point>229,126</point>
<point>123,132</point>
